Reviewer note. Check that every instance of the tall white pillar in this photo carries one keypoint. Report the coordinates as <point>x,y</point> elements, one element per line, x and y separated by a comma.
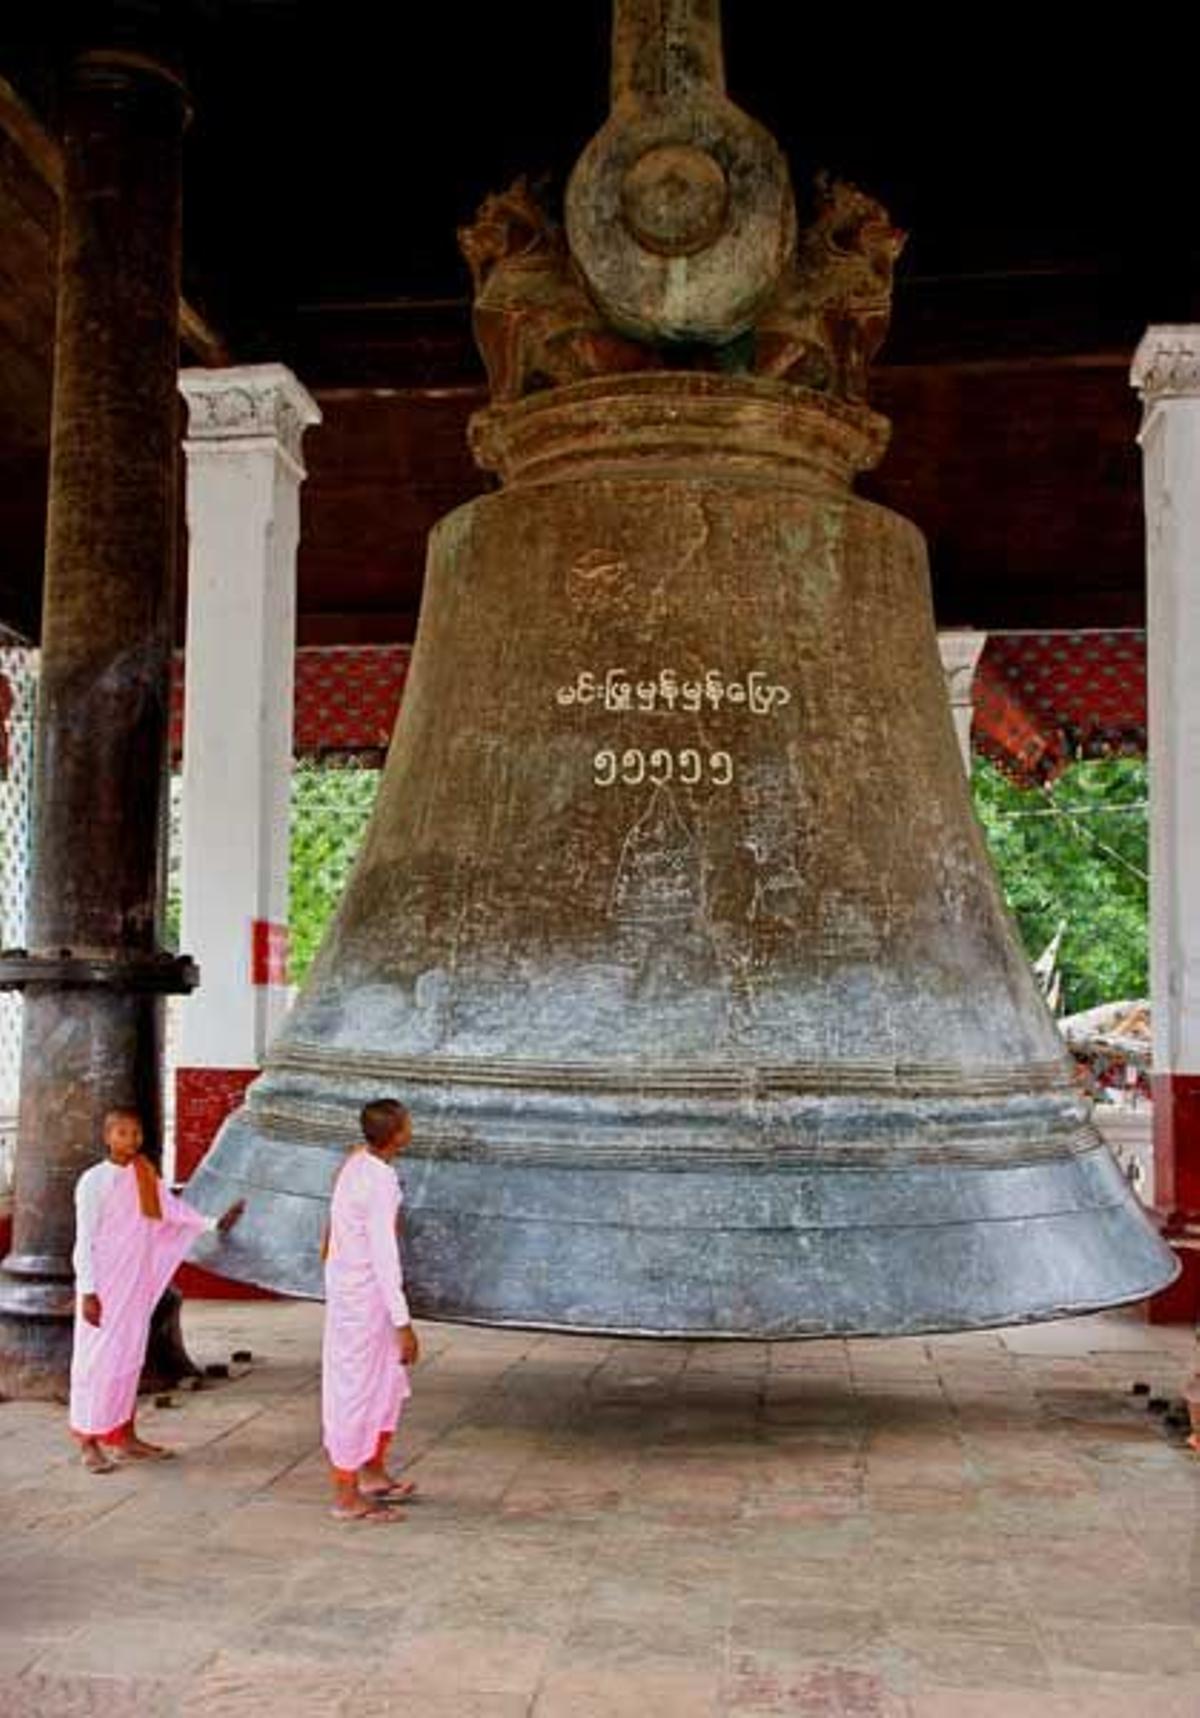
<point>1166,371</point>
<point>244,470</point>
<point>18,698</point>
<point>960,651</point>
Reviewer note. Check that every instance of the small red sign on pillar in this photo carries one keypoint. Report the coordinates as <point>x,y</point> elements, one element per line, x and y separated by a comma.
<point>6,705</point>
<point>269,953</point>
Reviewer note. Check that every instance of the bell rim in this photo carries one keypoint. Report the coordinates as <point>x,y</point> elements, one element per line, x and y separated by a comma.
<point>903,1251</point>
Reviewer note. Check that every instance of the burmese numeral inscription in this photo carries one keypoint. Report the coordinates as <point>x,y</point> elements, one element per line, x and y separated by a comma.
<point>689,767</point>
<point>616,692</point>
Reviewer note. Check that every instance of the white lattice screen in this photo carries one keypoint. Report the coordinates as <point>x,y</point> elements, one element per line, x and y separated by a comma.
<point>18,676</point>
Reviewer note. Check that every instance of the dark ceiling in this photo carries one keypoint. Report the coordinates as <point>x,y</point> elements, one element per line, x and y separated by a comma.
<point>335,148</point>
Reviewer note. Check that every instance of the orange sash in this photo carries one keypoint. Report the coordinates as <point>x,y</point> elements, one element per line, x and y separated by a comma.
<point>147,1180</point>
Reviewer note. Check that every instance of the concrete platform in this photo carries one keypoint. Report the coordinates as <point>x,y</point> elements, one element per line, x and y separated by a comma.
<point>985,1526</point>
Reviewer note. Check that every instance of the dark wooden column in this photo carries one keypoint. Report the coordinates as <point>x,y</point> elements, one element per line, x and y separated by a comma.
<point>94,975</point>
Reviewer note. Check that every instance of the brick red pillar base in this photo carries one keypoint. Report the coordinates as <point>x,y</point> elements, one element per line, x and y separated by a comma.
<point>1177,1191</point>
<point>203,1099</point>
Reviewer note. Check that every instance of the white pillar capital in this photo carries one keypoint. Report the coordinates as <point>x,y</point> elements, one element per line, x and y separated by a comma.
<point>1167,362</point>
<point>960,649</point>
<point>1166,368</point>
<point>247,407</point>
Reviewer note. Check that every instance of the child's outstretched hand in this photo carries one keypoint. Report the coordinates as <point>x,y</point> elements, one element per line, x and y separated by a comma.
<point>91,1309</point>
<point>410,1348</point>
<point>228,1218</point>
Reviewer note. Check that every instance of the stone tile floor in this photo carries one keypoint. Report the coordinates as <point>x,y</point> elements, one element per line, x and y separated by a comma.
<point>981,1526</point>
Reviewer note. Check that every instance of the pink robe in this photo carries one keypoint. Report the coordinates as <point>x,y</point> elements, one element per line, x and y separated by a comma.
<point>363,1384</point>
<point>131,1259</point>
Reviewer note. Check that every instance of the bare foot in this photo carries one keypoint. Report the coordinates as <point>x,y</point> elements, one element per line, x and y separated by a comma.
<point>364,1509</point>
<point>137,1449</point>
<point>95,1460</point>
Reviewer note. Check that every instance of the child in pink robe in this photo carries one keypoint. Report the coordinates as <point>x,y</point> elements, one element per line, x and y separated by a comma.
<point>131,1233</point>
<point>369,1341</point>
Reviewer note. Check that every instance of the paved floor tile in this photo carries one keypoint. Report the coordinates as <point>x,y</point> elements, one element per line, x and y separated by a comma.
<point>652,1691</point>
<point>50,1695</point>
<point>981,1526</point>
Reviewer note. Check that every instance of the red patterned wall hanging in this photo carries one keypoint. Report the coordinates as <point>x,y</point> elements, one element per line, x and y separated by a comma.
<point>1044,698</point>
<point>346,700</point>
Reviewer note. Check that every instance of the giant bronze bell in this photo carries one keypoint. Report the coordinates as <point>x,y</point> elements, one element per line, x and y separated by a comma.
<point>673,925</point>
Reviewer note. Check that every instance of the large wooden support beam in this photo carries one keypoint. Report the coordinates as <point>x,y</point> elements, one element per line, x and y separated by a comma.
<point>43,153</point>
<point>94,976</point>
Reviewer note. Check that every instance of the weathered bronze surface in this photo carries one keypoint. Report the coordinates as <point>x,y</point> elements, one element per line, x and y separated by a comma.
<point>679,211</point>
<point>94,975</point>
<point>673,924</point>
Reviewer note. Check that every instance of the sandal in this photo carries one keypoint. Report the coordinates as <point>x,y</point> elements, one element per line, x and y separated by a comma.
<point>399,1491</point>
<point>364,1511</point>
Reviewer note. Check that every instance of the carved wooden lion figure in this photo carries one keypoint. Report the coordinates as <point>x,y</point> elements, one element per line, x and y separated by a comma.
<point>535,323</point>
<point>831,316</point>
<point>509,225</point>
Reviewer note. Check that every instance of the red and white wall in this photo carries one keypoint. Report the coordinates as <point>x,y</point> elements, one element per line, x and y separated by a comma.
<point>244,471</point>
<point>1166,372</point>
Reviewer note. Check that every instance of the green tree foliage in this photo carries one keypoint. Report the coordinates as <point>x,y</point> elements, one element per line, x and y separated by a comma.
<point>330,809</point>
<point>1076,853</point>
